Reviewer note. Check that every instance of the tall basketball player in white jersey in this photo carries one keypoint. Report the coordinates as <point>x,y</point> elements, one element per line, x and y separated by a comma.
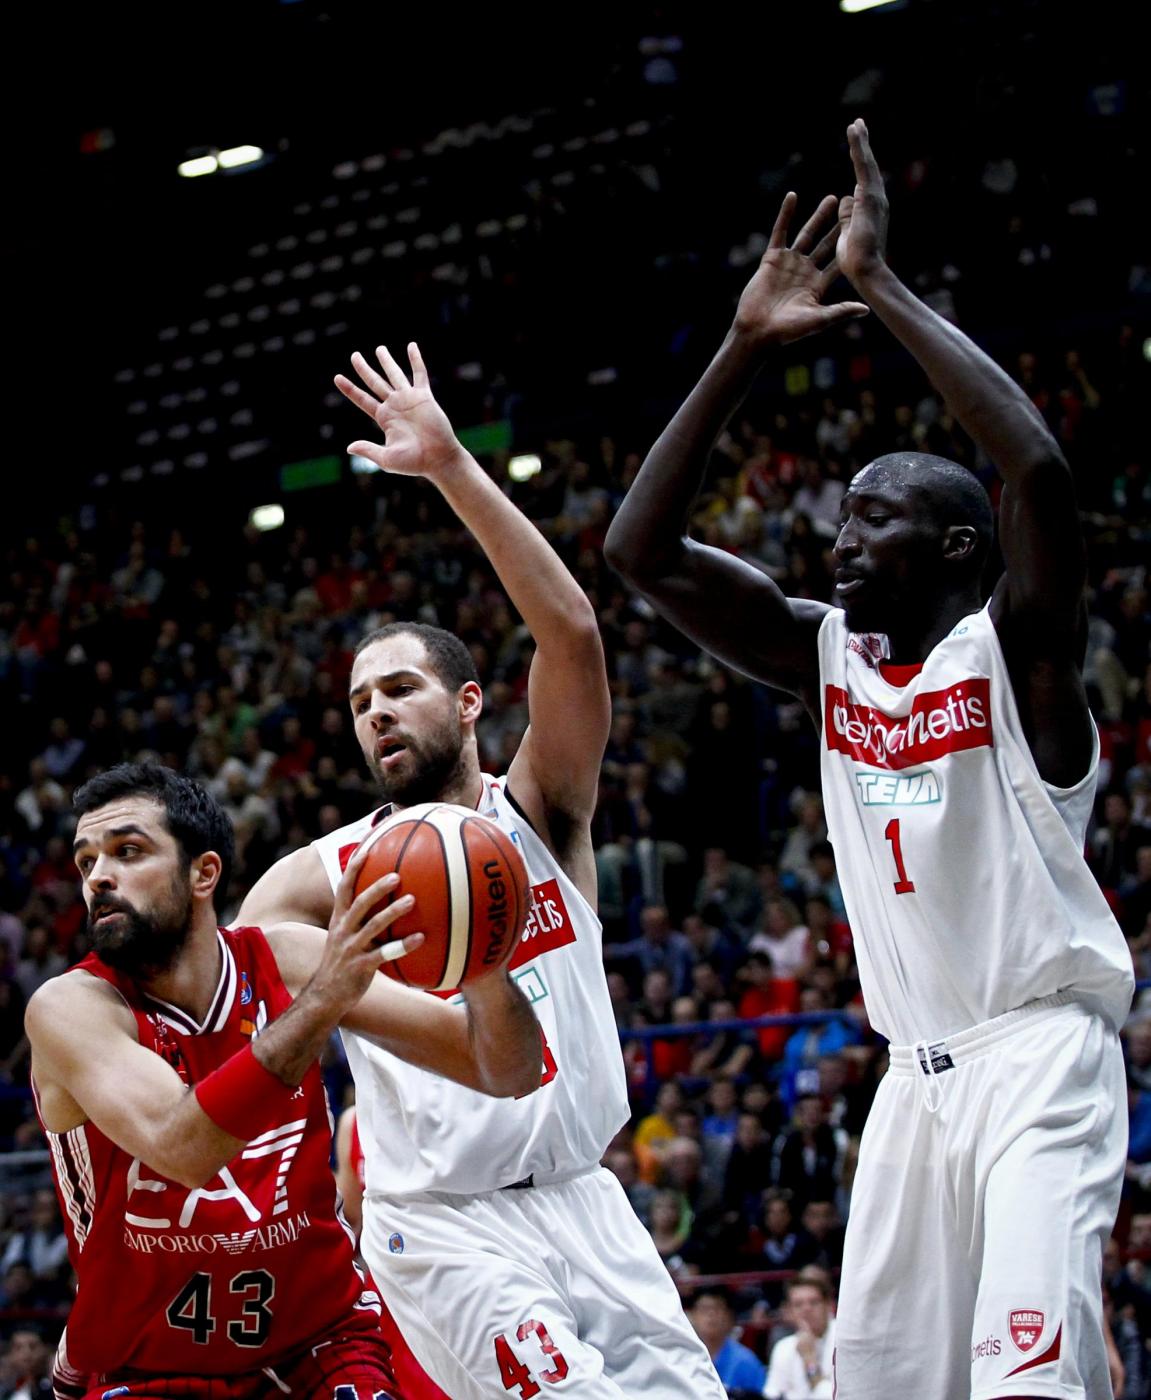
<point>512,1262</point>
<point>959,762</point>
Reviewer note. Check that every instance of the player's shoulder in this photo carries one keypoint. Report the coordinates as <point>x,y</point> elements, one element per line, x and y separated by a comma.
<point>295,889</point>
<point>296,949</point>
<point>812,613</point>
<point>73,1004</point>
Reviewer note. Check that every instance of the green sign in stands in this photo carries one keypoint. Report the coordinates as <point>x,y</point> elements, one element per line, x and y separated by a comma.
<point>315,471</point>
<point>488,437</point>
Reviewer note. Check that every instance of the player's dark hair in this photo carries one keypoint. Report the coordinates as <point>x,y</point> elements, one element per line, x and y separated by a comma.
<point>193,817</point>
<point>450,659</point>
<point>952,494</point>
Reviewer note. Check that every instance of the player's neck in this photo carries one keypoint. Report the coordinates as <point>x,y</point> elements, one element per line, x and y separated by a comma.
<point>465,789</point>
<point>913,640</point>
<point>191,982</point>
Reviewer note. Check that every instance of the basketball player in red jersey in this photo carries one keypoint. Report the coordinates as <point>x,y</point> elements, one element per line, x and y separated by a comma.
<point>510,1259</point>
<point>959,761</point>
<point>176,1076</point>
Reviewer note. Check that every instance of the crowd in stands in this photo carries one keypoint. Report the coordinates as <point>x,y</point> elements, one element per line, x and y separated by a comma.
<point>225,651</point>
<point>719,893</point>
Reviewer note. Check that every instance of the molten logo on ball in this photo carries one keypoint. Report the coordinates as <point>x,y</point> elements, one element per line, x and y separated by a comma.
<point>470,886</point>
<point>497,912</point>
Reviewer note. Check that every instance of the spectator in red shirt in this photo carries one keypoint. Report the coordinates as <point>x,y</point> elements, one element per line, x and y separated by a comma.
<point>768,995</point>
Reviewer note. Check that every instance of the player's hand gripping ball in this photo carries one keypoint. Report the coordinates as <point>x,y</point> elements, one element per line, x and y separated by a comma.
<point>471,891</point>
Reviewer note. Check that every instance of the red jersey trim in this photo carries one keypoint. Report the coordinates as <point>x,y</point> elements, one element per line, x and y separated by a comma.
<point>899,675</point>
<point>1051,1354</point>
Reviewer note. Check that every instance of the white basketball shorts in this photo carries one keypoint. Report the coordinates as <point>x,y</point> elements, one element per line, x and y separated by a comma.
<point>554,1288</point>
<point>989,1178</point>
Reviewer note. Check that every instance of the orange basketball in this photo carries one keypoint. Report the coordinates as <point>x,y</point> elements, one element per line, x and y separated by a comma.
<point>471,890</point>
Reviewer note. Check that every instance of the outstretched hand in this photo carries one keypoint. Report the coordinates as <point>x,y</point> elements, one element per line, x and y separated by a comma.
<point>784,299</point>
<point>418,438</point>
<point>862,245</point>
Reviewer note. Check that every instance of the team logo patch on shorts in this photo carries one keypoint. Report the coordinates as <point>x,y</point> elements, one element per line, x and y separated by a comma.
<point>396,1243</point>
<point>1025,1326</point>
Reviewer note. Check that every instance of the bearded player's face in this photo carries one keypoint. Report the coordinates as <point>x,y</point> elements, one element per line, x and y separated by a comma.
<point>136,886</point>
<point>407,721</point>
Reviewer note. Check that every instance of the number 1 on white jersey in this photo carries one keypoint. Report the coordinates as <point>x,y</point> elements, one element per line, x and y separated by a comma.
<point>903,885</point>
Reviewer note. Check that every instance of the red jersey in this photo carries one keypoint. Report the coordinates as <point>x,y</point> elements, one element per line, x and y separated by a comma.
<point>356,1152</point>
<point>233,1276</point>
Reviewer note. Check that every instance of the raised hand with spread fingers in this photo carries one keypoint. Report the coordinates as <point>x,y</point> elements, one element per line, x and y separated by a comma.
<point>418,438</point>
<point>784,299</point>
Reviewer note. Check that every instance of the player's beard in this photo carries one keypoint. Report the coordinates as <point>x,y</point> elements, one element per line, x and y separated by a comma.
<point>143,945</point>
<point>433,766</point>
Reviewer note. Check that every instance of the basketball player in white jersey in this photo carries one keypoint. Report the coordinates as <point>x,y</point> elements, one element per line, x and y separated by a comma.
<point>512,1262</point>
<point>959,762</point>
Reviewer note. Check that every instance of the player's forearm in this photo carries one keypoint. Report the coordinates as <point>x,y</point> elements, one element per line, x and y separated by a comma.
<point>989,405</point>
<point>295,1040</point>
<point>196,1139</point>
<point>543,592</point>
<point>504,1036</point>
<point>645,541</point>
<point>189,1147</point>
<point>206,1129</point>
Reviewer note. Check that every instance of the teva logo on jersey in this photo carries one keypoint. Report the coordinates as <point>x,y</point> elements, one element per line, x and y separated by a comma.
<point>1025,1326</point>
<point>895,790</point>
<point>940,722</point>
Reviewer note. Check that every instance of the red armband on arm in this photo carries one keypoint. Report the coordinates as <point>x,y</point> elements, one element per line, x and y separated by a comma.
<point>243,1098</point>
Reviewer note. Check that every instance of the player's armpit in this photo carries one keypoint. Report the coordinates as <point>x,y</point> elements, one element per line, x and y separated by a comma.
<point>294,890</point>
<point>131,1094</point>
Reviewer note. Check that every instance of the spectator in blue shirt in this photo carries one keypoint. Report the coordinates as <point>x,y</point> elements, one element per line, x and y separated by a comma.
<point>659,948</point>
<point>712,1317</point>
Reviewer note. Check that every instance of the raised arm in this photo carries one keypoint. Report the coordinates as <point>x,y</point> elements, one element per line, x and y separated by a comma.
<point>723,604</point>
<point>1038,606</point>
<point>556,772</point>
<point>1040,533</point>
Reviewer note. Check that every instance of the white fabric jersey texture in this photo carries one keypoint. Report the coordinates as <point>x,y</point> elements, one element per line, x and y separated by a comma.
<point>559,1284</point>
<point>962,870</point>
<point>425,1133</point>
<point>975,1243</point>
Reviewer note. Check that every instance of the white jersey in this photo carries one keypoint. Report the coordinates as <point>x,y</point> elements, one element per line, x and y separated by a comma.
<point>962,870</point>
<point>425,1133</point>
